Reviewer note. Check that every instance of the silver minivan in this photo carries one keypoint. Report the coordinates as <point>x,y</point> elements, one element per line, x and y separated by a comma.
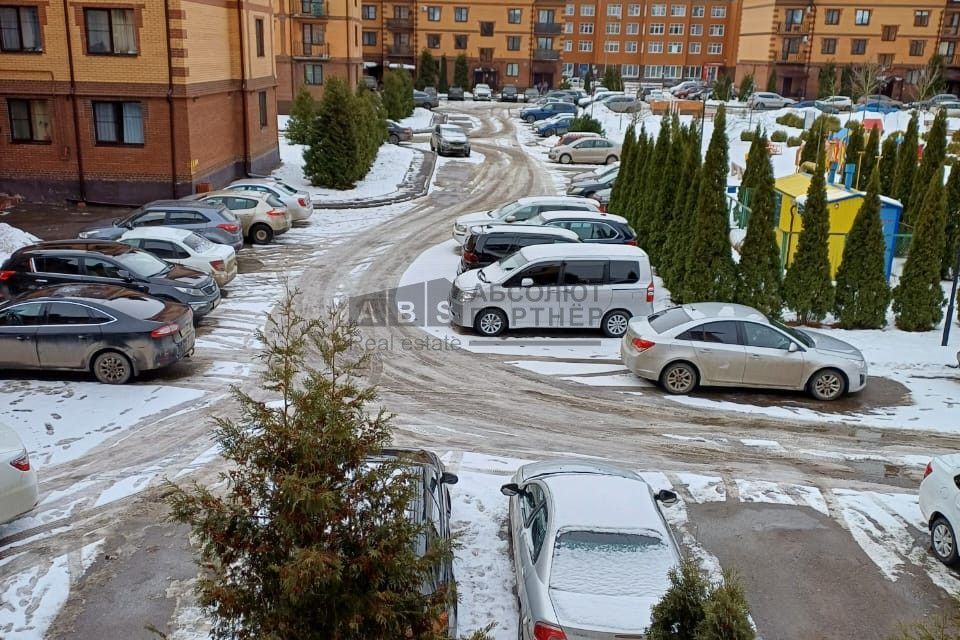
<point>556,286</point>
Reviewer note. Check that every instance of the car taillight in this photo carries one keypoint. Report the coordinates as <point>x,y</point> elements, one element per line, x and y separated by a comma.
<point>603,209</point>
<point>929,469</point>
<point>229,228</point>
<point>469,256</point>
<point>218,265</point>
<point>165,330</point>
<point>21,462</point>
<point>302,201</point>
<point>650,292</point>
<point>544,631</point>
<point>642,344</point>
<point>6,275</point>
<point>276,213</point>
<point>632,243</point>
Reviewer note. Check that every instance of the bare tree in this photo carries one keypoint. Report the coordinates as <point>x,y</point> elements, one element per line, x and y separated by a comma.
<point>930,79</point>
<point>867,79</point>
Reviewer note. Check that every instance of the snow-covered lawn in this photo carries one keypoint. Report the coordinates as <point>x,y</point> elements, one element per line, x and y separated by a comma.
<point>419,121</point>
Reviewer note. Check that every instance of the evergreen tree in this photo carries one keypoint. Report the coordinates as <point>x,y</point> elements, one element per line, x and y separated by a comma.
<point>460,75</point>
<point>827,80</point>
<point>426,70</point>
<point>611,78</point>
<point>397,94</point>
<point>633,196</point>
<point>586,122</point>
<point>711,274</point>
<point>723,87</point>
<point>663,209</point>
<point>754,171</point>
<point>303,117</point>
<point>759,281</point>
<point>373,126</point>
<point>935,150</point>
<point>918,299</point>
<point>627,158</point>
<point>808,287</point>
<point>863,294</point>
<point>772,81</point>
<point>442,84</point>
<point>307,539</point>
<point>725,613</point>
<point>680,612</point>
<point>685,262</point>
<point>856,149</point>
<point>672,265</point>
<point>747,87</point>
<point>332,157</point>
<point>952,233</point>
<point>823,125</point>
<point>907,167</point>
<point>648,229</point>
<point>888,165</point>
<point>870,161</point>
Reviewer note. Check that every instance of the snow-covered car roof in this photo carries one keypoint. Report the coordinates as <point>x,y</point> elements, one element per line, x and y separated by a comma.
<point>585,250</point>
<point>583,215</point>
<point>524,229</point>
<point>577,503</point>
<point>158,233</point>
<point>702,310</point>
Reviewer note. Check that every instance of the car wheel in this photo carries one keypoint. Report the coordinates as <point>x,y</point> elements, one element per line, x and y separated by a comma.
<point>530,119</point>
<point>760,105</point>
<point>490,322</point>
<point>549,132</point>
<point>615,323</point>
<point>611,159</point>
<point>394,138</point>
<point>112,367</point>
<point>826,385</point>
<point>565,158</point>
<point>261,234</point>
<point>679,378</point>
<point>943,541</point>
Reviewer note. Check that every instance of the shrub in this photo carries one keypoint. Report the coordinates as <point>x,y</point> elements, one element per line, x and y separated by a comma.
<point>397,94</point>
<point>779,136</point>
<point>303,116</point>
<point>794,141</point>
<point>746,136</point>
<point>792,120</point>
<point>586,122</point>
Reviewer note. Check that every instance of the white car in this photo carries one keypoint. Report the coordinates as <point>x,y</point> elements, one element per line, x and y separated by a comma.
<point>482,92</point>
<point>940,505</point>
<point>840,103</point>
<point>521,210</point>
<point>768,100</point>
<point>598,96</point>
<point>18,478</point>
<point>298,203</point>
<point>181,246</point>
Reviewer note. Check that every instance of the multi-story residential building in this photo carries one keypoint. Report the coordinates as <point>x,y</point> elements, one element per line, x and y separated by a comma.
<point>116,102</point>
<point>315,39</point>
<point>949,46</point>
<point>795,38</point>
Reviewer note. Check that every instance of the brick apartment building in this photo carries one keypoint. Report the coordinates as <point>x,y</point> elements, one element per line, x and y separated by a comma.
<point>116,102</point>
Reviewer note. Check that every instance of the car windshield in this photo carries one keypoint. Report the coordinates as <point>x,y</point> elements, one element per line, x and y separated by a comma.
<point>286,188</point>
<point>611,563</point>
<point>143,264</point>
<point>796,334</point>
<point>198,243</point>
<point>504,211</point>
<point>668,319</point>
<point>497,270</point>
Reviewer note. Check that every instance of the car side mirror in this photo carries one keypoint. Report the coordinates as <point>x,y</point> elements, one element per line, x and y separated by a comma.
<point>449,478</point>
<point>125,275</point>
<point>511,489</point>
<point>793,348</point>
<point>526,282</point>
<point>666,496</point>
<point>510,219</point>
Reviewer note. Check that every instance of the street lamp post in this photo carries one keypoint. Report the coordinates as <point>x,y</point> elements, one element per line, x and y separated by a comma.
<point>952,304</point>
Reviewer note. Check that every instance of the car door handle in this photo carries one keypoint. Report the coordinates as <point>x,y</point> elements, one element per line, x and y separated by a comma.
<point>82,337</point>
<point>754,356</point>
<point>22,338</point>
<point>38,280</point>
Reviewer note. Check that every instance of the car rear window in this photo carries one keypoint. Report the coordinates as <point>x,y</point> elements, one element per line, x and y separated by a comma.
<point>610,563</point>
<point>228,215</point>
<point>624,271</point>
<point>137,306</point>
<point>142,263</point>
<point>69,265</point>
<point>198,243</point>
<point>667,319</point>
<point>286,188</point>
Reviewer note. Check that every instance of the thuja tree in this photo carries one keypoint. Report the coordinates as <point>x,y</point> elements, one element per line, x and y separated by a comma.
<point>907,167</point>
<point>333,156</point>
<point>952,233</point>
<point>426,70</point>
<point>935,150</point>
<point>725,613</point>
<point>397,94</point>
<point>303,117</point>
<point>694,609</point>
<point>870,159</point>
<point>888,165</point>
<point>746,87</point>
<point>460,73</point>
<point>808,287</point>
<point>627,159</point>
<point>308,540</point>
<point>862,293</point>
<point>673,267</point>
<point>442,84</point>
<point>752,171</point>
<point>918,298</point>
<point>827,80</point>
<point>856,149</point>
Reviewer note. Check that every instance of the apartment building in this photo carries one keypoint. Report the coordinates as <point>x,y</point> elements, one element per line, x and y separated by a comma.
<point>505,41</point>
<point>114,102</point>
<point>795,38</point>
<point>950,43</point>
<point>651,40</point>
<point>315,39</point>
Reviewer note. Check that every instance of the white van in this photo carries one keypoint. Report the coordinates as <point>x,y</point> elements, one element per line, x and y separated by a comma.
<point>556,286</point>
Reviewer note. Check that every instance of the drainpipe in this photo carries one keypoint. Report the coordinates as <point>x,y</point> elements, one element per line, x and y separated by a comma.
<point>173,120</point>
<point>73,103</point>
<point>243,89</point>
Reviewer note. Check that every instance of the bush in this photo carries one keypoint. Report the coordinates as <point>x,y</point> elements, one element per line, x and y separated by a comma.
<point>303,116</point>
<point>778,136</point>
<point>397,94</point>
<point>794,141</point>
<point>586,122</point>
<point>792,120</point>
<point>746,136</point>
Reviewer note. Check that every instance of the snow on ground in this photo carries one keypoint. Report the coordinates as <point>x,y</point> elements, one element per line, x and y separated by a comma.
<point>419,121</point>
<point>45,588</point>
<point>11,239</point>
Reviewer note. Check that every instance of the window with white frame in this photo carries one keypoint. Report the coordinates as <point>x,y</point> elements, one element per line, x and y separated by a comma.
<point>567,69</point>
<point>656,29</point>
<point>611,46</point>
<point>658,10</point>
<point>630,70</point>
<point>613,28</point>
<point>630,46</point>
<point>693,71</point>
<point>633,10</point>
<point>586,45</point>
<point>718,12</point>
<point>699,11</point>
<point>569,10</point>
<point>675,47</point>
<point>676,28</point>
<point>653,71</point>
<point>716,30</point>
<point>568,45</point>
<point>586,27</point>
<point>588,10</point>
<point>715,48</point>
<point>695,47</point>
<point>513,69</point>
<point>568,27</point>
<point>614,10</point>
<point>655,47</point>
<point>696,29</point>
<point>678,10</point>
<point>672,71</point>
<point>633,28</point>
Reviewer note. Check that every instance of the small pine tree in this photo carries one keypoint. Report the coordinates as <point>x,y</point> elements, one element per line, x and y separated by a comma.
<point>935,150</point>
<point>753,171</point>
<point>426,70</point>
<point>888,165</point>
<point>772,81</point>
<point>627,159</point>
<point>747,87</point>
<point>725,613</point>
<point>856,148</point>
<point>648,230</point>
<point>303,117</point>
<point>373,126</point>
<point>685,263</point>
<point>586,122</point>
<point>633,196</point>
<point>723,87</point>
<point>870,159</point>
<point>711,274</point>
<point>332,156</point>
<point>918,299</point>
<point>863,294</point>
<point>611,78</point>
<point>759,281</point>
<point>907,167</point>
<point>808,287</point>
<point>460,74</point>
<point>442,84</point>
<point>827,80</point>
<point>397,94</point>
<point>821,128</point>
<point>680,612</point>
<point>662,203</point>
<point>952,233</point>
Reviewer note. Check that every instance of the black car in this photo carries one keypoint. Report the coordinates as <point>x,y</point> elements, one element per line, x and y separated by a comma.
<point>598,228</point>
<point>455,93</point>
<point>488,243</point>
<point>397,133</point>
<point>113,332</point>
<point>509,93</point>
<point>431,508</point>
<point>103,262</point>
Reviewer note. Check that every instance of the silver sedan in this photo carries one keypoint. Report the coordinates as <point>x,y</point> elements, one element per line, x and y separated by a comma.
<point>591,550</point>
<point>730,345</point>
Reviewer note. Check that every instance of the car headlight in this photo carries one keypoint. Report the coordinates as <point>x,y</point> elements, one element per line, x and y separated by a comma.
<point>575,191</point>
<point>466,296</point>
<point>85,234</point>
<point>460,227</point>
<point>189,291</point>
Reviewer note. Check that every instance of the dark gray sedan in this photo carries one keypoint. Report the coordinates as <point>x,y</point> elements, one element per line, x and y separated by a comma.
<point>112,332</point>
<point>425,100</point>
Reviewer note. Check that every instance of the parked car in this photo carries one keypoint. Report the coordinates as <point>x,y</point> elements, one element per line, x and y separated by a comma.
<point>432,92</point>
<point>935,101</point>
<point>840,103</point>
<point>622,104</point>
<point>592,226</point>
<point>658,95</point>
<point>397,133</point>
<point>509,93</point>
<point>519,211</point>
<point>952,108</point>
<point>449,139</point>
<point>591,550</point>
<point>586,151</point>
<point>262,215</point>
<point>531,94</point>
<point>768,100</point>
<point>422,99</point>
<point>113,332</point>
<point>562,95</point>
<point>455,93</point>
<point>940,505</point>
<point>555,126</point>
<point>603,197</point>
<point>18,478</point>
<point>876,107</point>
<point>598,96</point>
<point>594,174</point>
<point>731,345</point>
<point>488,243</point>
<point>297,202</point>
<point>544,111</point>
<point>179,246</point>
<point>482,92</point>
<point>880,99</point>
<point>555,286</point>
<point>103,262</point>
<point>682,88</point>
<point>571,136</point>
<point>212,221</point>
<point>588,187</point>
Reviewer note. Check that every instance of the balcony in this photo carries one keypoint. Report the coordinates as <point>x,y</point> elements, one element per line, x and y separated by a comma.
<point>312,51</point>
<point>400,24</point>
<point>547,28</point>
<point>546,54</point>
<point>308,8</point>
<point>787,28</point>
<point>403,50</point>
<point>791,57</point>
<point>950,31</point>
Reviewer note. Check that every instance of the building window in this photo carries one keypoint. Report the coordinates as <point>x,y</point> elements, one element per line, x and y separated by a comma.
<point>568,46</point>
<point>568,27</point>
<point>655,47</point>
<point>633,28</point>
<point>513,69</point>
<point>716,30</point>
<point>401,13</point>
<point>652,71</point>
<point>889,32</point>
<point>630,46</point>
<point>19,29</point>
<point>693,71</point>
<point>676,29</point>
<point>313,73</point>
<point>831,16</point>
<point>369,11</point>
<point>715,48</point>
<point>678,10</point>
<point>262,105</point>
<point>588,10</point>
<point>258,34</point>
<point>514,16</point>
<point>433,41</point>
<point>460,41</point>
<point>917,47</point>
<point>614,10</point>
<point>110,31</point>
<point>696,29</point>
<point>29,121</point>
<point>569,10</point>
<point>433,14</point>
<point>513,43</point>
<point>586,46</point>
<point>828,46</point>
<point>613,28</point>
<point>633,10</point>
<point>658,10</point>
<point>586,27</point>
<point>370,38</point>
<point>914,76</point>
<point>118,122</point>
<point>675,47</point>
<point>630,70</point>
<point>461,14</point>
<point>312,34</point>
<point>698,11</point>
<point>718,12</point>
<point>656,29</point>
<point>862,17</point>
<point>947,49</point>
<point>921,18</point>
<point>885,59</point>
<point>695,47</point>
<point>611,46</point>
<point>486,29</point>
<point>858,46</point>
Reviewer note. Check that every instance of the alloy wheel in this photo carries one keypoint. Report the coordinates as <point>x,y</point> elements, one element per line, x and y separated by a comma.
<point>112,368</point>
<point>942,538</point>
<point>491,323</point>
<point>617,325</point>
<point>828,385</point>
<point>679,380</point>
